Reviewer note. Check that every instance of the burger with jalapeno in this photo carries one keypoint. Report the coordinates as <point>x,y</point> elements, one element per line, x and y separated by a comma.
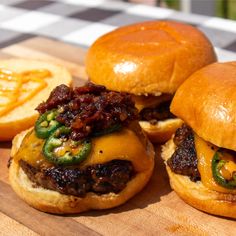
<point>150,60</point>
<point>201,157</point>
<point>86,151</point>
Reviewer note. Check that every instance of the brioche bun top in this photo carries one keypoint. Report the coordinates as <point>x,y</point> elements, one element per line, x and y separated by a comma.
<point>149,57</point>
<point>207,102</point>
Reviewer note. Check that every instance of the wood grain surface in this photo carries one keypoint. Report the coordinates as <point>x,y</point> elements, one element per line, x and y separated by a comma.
<point>157,210</point>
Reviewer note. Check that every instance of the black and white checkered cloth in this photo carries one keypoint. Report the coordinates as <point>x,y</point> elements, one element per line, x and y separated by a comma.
<point>80,22</point>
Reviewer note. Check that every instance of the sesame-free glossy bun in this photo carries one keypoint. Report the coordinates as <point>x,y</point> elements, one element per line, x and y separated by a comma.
<point>148,57</point>
<point>196,194</point>
<point>141,154</point>
<point>207,103</point>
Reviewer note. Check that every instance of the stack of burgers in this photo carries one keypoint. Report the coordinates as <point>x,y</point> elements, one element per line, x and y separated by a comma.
<point>157,81</point>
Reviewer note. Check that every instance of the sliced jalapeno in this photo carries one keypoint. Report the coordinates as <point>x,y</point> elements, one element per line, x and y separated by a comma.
<point>109,130</point>
<point>46,124</point>
<point>61,150</point>
<point>217,165</point>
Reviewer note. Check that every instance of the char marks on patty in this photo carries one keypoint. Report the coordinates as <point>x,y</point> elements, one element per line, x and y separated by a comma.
<point>100,179</point>
<point>184,159</point>
<point>158,113</point>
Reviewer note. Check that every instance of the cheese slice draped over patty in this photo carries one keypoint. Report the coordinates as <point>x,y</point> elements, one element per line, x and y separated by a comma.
<point>205,152</point>
<point>123,145</point>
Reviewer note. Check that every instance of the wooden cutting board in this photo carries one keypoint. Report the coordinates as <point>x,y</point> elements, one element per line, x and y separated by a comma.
<point>157,210</point>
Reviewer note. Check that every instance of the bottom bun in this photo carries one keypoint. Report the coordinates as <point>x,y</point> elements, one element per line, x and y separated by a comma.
<point>196,194</point>
<point>55,202</point>
<point>162,131</point>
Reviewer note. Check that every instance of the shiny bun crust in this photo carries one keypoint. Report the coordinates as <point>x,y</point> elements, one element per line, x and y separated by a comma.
<point>162,131</point>
<point>54,202</point>
<point>148,57</point>
<point>196,194</point>
<point>207,103</point>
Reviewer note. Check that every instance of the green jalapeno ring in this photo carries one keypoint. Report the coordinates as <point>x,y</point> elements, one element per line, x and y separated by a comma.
<point>109,130</point>
<point>46,124</point>
<point>56,140</point>
<point>216,165</point>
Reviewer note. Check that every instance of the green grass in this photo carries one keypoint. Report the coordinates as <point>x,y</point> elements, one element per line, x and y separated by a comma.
<point>232,9</point>
<point>219,11</point>
<point>174,4</point>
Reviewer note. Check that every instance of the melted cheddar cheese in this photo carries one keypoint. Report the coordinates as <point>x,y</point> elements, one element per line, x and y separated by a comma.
<point>205,152</point>
<point>122,145</point>
<point>228,169</point>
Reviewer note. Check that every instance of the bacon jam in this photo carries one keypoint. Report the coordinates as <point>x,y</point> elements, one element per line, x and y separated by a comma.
<point>90,109</point>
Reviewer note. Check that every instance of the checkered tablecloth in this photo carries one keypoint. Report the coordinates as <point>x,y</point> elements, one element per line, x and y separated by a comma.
<point>80,22</point>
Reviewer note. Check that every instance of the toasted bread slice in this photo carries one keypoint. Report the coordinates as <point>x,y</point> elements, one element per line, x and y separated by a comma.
<point>23,114</point>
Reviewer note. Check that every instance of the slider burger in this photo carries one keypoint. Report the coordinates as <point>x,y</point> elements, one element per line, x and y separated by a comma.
<point>86,151</point>
<point>201,157</point>
<point>150,60</point>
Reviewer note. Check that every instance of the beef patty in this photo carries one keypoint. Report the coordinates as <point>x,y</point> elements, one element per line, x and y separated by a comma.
<point>184,159</point>
<point>101,178</point>
<point>154,114</point>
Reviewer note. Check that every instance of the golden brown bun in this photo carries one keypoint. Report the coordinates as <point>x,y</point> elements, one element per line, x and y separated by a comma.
<point>196,194</point>
<point>54,202</point>
<point>207,103</point>
<point>148,57</point>
<point>162,131</point>
<point>24,116</point>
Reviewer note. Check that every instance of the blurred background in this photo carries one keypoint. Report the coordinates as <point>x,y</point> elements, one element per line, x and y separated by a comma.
<point>221,8</point>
